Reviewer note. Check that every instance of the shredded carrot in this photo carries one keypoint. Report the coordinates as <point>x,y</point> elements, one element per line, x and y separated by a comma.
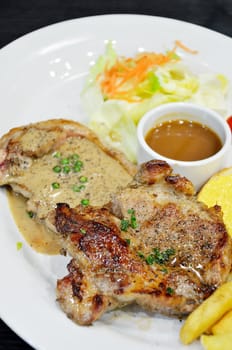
<point>120,81</point>
<point>179,44</point>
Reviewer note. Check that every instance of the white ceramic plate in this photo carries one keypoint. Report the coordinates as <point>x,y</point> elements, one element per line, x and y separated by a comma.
<point>41,77</point>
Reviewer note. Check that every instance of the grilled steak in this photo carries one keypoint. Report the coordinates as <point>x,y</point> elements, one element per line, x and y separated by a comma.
<point>154,245</point>
<point>60,161</point>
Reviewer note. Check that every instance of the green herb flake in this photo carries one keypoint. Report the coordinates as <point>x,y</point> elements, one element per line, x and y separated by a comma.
<point>162,257</point>
<point>57,169</point>
<point>30,214</point>
<point>83,231</point>
<point>169,291</point>
<point>64,161</point>
<point>128,241</point>
<point>141,255</point>
<point>66,169</point>
<point>57,155</point>
<point>19,245</point>
<point>150,259</point>
<point>78,163</point>
<point>131,211</point>
<point>83,179</point>
<point>75,157</point>
<point>67,164</point>
<point>77,188</point>
<point>124,225</point>
<point>85,201</point>
<point>55,185</point>
<point>133,222</point>
<point>164,270</point>
<point>76,169</point>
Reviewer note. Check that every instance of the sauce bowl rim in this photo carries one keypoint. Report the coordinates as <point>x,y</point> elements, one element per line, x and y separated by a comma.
<point>188,108</point>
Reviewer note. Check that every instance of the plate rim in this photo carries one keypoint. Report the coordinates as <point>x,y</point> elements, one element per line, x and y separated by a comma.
<point>13,44</point>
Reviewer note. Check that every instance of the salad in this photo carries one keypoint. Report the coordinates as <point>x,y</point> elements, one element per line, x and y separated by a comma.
<point>120,90</point>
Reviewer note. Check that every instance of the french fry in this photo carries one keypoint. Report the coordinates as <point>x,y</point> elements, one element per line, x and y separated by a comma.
<point>217,342</point>
<point>207,314</point>
<point>224,325</point>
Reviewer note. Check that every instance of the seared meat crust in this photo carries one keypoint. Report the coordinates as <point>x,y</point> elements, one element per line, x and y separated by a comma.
<point>169,215</point>
<point>120,267</point>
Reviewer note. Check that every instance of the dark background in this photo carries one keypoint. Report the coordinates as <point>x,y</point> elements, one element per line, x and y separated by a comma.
<point>19,17</point>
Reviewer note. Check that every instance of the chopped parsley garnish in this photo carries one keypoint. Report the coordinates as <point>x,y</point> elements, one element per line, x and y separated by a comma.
<point>83,179</point>
<point>83,231</point>
<point>164,270</point>
<point>76,168</point>
<point>57,169</point>
<point>159,257</point>
<point>66,169</point>
<point>85,201</point>
<point>150,259</point>
<point>57,155</point>
<point>132,222</point>
<point>78,163</point>
<point>74,157</point>
<point>162,257</point>
<point>169,291</point>
<point>55,185</point>
<point>141,255</point>
<point>65,165</point>
<point>127,241</point>
<point>124,224</point>
<point>19,245</point>
<point>77,188</point>
<point>30,214</point>
<point>64,161</point>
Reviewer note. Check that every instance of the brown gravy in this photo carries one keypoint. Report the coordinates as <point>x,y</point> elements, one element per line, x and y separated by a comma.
<point>41,239</point>
<point>183,140</point>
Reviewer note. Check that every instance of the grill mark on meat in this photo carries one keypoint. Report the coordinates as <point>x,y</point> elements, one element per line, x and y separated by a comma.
<point>149,174</point>
<point>76,288</point>
<point>105,247</point>
<point>97,302</point>
<point>76,278</point>
<point>100,243</point>
<point>180,184</point>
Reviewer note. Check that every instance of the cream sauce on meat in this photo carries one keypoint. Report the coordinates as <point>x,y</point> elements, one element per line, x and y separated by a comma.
<point>98,177</point>
<point>40,238</point>
<point>104,175</point>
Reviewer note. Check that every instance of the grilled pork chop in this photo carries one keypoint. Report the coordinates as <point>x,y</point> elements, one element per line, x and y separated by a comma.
<point>154,245</point>
<point>60,161</point>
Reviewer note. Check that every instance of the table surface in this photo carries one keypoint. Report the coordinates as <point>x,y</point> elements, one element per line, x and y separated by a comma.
<point>21,17</point>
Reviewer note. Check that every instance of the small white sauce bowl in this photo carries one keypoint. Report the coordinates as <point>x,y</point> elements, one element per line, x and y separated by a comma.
<point>196,171</point>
